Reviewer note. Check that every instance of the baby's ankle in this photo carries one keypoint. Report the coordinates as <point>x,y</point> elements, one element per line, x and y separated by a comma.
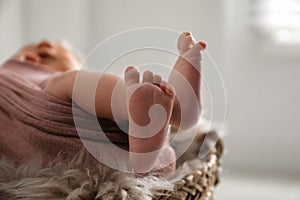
<point>184,118</point>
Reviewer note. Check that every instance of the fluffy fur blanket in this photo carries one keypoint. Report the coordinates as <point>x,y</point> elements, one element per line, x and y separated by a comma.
<point>73,181</point>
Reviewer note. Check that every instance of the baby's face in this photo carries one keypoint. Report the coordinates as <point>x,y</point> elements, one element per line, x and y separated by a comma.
<point>50,54</point>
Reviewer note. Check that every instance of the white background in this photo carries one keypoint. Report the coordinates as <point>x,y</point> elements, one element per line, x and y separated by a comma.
<point>262,86</point>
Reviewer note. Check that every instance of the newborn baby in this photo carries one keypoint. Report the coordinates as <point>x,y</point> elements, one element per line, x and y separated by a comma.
<point>132,97</point>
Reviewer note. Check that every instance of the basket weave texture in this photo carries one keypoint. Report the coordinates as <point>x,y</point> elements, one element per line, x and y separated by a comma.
<point>200,184</point>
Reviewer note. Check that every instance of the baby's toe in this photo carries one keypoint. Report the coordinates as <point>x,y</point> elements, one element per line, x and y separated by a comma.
<point>193,55</point>
<point>157,79</point>
<point>147,77</point>
<point>132,76</point>
<point>185,42</point>
<point>202,44</point>
<point>181,38</point>
<point>168,89</point>
<point>199,46</point>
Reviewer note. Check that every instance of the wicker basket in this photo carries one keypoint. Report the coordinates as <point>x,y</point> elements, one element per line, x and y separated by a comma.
<point>200,184</point>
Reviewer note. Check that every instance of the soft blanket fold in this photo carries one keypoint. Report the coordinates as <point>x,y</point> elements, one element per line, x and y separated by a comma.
<point>34,122</point>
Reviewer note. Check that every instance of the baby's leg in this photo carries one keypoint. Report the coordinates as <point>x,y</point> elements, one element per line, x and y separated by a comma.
<point>150,105</point>
<point>110,92</point>
<point>147,128</point>
<point>186,78</point>
<point>94,92</point>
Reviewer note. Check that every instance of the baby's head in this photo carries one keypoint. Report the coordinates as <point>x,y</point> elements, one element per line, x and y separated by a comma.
<point>58,56</point>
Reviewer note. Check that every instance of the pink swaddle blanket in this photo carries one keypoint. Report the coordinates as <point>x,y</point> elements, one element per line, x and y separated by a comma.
<point>34,122</point>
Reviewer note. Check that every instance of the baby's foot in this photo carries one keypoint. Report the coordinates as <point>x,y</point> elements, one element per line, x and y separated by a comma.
<point>150,105</point>
<point>185,78</point>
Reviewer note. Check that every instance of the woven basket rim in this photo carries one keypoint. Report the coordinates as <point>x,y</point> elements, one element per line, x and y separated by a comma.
<point>200,183</point>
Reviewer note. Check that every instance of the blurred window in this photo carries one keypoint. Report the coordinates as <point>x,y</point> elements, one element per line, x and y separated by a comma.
<point>277,20</point>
